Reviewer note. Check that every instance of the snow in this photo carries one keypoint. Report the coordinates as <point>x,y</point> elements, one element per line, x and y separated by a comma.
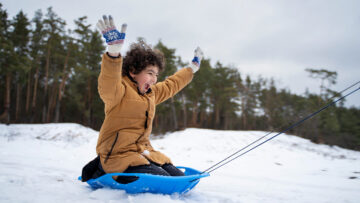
<point>41,163</point>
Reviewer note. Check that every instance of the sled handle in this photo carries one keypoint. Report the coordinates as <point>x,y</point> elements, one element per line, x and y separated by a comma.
<point>189,171</point>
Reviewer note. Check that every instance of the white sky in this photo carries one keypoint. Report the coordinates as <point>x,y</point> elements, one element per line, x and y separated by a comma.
<point>272,38</point>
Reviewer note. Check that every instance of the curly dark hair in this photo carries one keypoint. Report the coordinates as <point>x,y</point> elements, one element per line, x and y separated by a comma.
<point>140,56</point>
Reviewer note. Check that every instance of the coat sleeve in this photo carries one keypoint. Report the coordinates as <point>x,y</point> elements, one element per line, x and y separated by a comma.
<point>172,85</point>
<point>110,85</point>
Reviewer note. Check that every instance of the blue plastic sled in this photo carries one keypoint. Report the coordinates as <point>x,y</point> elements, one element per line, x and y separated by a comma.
<point>151,183</point>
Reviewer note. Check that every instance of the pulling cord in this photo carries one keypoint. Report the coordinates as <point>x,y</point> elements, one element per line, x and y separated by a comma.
<point>287,129</point>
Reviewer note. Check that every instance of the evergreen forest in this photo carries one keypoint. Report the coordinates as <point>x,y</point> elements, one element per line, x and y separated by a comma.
<point>48,74</point>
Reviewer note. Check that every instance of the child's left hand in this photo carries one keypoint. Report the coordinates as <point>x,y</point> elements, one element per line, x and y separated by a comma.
<point>195,63</point>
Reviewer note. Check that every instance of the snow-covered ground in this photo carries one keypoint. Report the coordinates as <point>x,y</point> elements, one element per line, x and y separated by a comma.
<point>41,163</point>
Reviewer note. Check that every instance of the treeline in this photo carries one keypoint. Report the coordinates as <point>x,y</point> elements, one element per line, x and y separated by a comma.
<point>49,74</point>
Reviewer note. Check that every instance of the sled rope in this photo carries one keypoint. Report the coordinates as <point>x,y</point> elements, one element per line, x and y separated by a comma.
<point>217,165</point>
<point>238,151</point>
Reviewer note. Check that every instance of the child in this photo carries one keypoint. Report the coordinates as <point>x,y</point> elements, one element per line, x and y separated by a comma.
<point>129,90</point>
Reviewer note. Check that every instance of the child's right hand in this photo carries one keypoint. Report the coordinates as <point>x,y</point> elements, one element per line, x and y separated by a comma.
<point>113,37</point>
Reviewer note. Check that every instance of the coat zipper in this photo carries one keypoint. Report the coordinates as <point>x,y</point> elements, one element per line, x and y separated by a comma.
<point>112,147</point>
<point>147,113</point>
<point>146,120</point>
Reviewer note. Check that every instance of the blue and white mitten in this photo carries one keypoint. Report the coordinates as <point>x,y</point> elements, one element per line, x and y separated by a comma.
<point>113,37</point>
<point>195,63</point>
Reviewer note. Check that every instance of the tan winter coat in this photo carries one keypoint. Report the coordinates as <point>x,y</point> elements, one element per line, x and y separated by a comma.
<point>124,135</point>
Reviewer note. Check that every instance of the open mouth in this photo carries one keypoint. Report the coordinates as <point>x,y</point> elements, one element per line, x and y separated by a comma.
<point>147,86</point>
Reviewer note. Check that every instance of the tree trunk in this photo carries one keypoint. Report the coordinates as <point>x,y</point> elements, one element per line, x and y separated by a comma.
<point>57,112</point>
<point>6,114</point>
<point>194,114</point>
<point>18,93</point>
<point>203,118</point>
<point>33,103</point>
<point>52,102</point>
<point>46,85</point>
<point>89,101</point>
<point>61,88</point>
<point>268,111</point>
<point>226,121</point>
<point>244,119</point>
<point>28,92</point>
<point>60,95</point>
<point>176,127</point>
<point>184,110</point>
<point>217,116</point>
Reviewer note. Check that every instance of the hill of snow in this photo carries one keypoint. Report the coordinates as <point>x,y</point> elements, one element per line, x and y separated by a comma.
<point>41,163</point>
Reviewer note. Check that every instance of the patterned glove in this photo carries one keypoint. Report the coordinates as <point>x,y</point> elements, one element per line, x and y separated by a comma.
<point>195,63</point>
<point>113,37</point>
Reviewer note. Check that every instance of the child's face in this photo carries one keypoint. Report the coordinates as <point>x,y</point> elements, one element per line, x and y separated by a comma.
<point>146,78</point>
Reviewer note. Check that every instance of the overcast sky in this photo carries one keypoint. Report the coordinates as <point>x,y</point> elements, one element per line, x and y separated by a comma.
<point>273,38</point>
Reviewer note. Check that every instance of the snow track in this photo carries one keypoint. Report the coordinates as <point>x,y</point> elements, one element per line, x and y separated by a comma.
<point>41,163</point>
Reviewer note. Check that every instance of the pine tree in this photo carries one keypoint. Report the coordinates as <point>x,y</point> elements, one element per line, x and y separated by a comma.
<point>87,69</point>
<point>182,98</point>
<point>328,122</point>
<point>20,38</point>
<point>324,76</point>
<point>69,62</point>
<point>162,110</point>
<point>7,57</point>
<point>248,91</point>
<point>197,93</point>
<point>83,70</point>
<point>96,108</point>
<point>54,31</point>
<point>37,50</point>
<point>223,92</point>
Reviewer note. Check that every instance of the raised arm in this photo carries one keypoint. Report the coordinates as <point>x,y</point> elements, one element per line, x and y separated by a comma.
<point>109,81</point>
<point>173,84</point>
<point>114,38</point>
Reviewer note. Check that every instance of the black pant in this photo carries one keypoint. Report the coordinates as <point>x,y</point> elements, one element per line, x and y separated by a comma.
<point>93,170</point>
<point>153,168</point>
